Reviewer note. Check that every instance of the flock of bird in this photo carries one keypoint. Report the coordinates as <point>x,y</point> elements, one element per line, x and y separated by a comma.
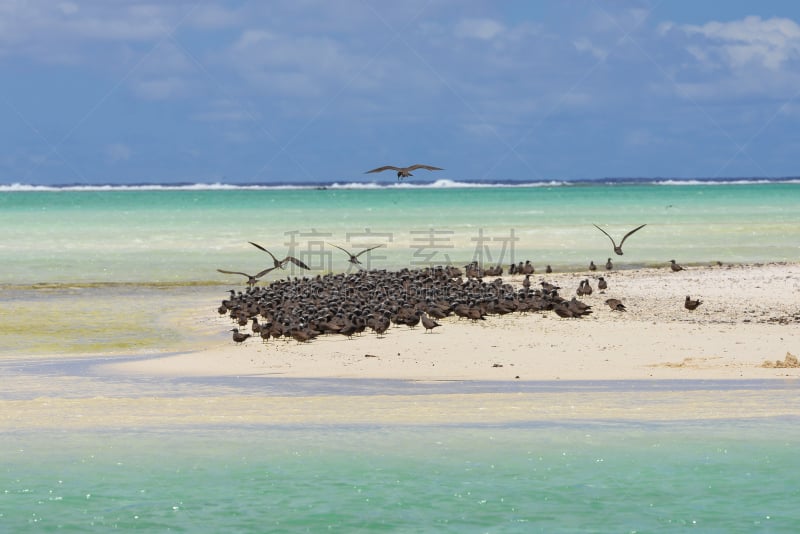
<point>348,304</point>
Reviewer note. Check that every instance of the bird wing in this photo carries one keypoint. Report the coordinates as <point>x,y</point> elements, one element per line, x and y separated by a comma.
<point>384,168</point>
<point>296,262</point>
<point>234,272</point>
<point>426,167</point>
<point>265,271</point>
<point>265,250</point>
<point>629,233</point>
<point>611,238</point>
<point>368,249</point>
<point>340,248</point>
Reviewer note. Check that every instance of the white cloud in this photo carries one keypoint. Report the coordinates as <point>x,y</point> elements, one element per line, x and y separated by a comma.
<point>752,41</point>
<point>585,45</point>
<point>484,29</point>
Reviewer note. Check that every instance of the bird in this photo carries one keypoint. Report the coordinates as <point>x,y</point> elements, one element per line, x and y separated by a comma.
<point>428,323</point>
<point>548,269</point>
<point>239,337</point>
<point>618,248</point>
<point>616,305</point>
<point>581,289</point>
<point>609,265</point>
<point>690,304</point>
<point>404,172</point>
<point>601,283</point>
<point>587,288</point>
<point>592,266</point>
<point>281,263</point>
<point>252,279</point>
<point>674,266</point>
<point>354,257</point>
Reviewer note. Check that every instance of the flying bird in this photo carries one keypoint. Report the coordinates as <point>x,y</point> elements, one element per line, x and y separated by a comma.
<point>618,249</point>
<point>354,257</point>
<point>281,263</point>
<point>404,172</point>
<point>252,279</point>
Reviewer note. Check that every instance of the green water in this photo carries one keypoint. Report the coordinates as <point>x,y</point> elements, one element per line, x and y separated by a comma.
<point>115,273</point>
<point>598,477</point>
<point>185,235</point>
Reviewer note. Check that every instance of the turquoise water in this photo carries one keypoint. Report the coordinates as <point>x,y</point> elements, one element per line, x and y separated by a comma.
<point>180,236</point>
<point>729,476</point>
<point>115,273</point>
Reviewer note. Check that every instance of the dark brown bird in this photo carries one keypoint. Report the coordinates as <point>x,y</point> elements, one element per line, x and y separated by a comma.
<point>618,248</point>
<point>252,279</point>
<point>239,337</point>
<point>548,269</point>
<point>404,172</point>
<point>609,265</point>
<point>690,304</point>
<point>616,305</point>
<point>354,257</point>
<point>674,266</point>
<point>601,283</point>
<point>587,288</point>
<point>281,263</point>
<point>428,323</point>
<point>592,266</point>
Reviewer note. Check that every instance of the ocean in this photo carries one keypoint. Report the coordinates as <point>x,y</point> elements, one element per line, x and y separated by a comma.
<point>97,273</point>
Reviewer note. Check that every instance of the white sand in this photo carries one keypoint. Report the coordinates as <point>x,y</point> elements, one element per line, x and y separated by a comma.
<point>750,314</point>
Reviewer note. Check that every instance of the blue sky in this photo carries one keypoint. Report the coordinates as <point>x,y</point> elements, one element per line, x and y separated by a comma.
<point>129,91</point>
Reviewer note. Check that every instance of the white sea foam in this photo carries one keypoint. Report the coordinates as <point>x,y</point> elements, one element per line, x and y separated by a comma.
<point>438,184</point>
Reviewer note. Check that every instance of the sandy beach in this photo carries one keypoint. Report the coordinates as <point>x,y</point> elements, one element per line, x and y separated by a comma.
<point>750,315</point>
<point>703,364</point>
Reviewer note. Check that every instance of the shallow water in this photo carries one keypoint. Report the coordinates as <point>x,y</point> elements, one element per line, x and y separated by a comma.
<point>183,236</point>
<point>640,477</point>
<point>121,274</point>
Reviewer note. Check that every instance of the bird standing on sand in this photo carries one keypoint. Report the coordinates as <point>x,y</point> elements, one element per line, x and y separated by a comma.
<point>674,266</point>
<point>281,263</point>
<point>616,305</point>
<point>618,248</point>
<point>252,279</point>
<point>690,304</point>
<point>428,323</point>
<point>239,337</point>
<point>404,172</point>
<point>601,283</point>
<point>609,265</point>
<point>354,257</point>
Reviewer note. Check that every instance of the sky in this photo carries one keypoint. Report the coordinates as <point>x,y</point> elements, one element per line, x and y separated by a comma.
<point>310,91</point>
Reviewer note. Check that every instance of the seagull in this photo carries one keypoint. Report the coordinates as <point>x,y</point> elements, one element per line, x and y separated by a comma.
<point>354,257</point>
<point>404,172</point>
<point>281,263</point>
<point>618,249</point>
<point>690,304</point>
<point>251,278</point>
